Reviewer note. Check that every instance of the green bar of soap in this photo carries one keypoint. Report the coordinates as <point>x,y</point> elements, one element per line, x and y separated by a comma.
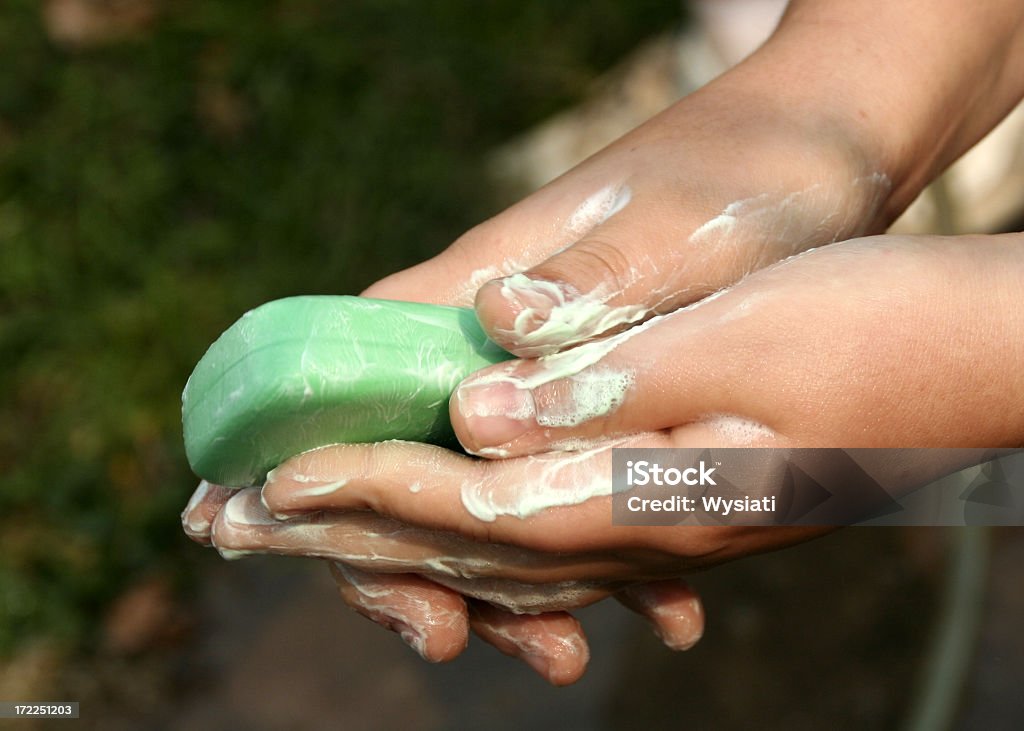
<point>304,372</point>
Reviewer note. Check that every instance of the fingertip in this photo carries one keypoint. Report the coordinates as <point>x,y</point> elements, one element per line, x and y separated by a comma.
<point>681,630</point>
<point>305,483</point>
<point>515,311</point>
<point>673,609</point>
<point>232,530</point>
<point>203,506</point>
<point>552,644</point>
<point>274,510</point>
<point>562,668</point>
<point>440,650</point>
<point>431,619</point>
<point>486,413</point>
<point>275,499</point>
<point>563,671</point>
<point>580,293</point>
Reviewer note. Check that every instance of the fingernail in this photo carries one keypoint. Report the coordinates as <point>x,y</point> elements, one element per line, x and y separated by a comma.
<point>246,508</point>
<point>496,412</point>
<point>193,521</point>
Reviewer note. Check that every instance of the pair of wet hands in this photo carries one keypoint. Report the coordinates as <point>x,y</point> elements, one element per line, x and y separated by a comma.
<point>649,311</point>
<point>432,544</point>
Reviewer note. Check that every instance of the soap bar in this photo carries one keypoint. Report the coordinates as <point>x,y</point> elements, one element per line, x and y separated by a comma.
<point>304,372</point>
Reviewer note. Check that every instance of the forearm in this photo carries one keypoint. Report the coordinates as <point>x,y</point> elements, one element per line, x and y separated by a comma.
<point>915,82</point>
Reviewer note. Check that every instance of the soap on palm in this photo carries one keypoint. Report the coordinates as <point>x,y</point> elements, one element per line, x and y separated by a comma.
<point>305,372</point>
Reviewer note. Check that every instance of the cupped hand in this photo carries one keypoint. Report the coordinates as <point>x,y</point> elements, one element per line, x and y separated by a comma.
<point>380,567</point>
<point>672,212</point>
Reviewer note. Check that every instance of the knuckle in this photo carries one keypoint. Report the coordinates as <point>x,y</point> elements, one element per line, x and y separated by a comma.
<point>604,261</point>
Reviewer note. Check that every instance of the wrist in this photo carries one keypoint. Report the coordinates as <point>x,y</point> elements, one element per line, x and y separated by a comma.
<point>909,86</point>
<point>788,139</point>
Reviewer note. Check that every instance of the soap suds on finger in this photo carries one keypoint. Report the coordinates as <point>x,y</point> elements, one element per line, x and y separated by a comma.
<point>541,642</point>
<point>683,637</point>
<point>558,479</point>
<point>563,364</point>
<point>522,598</point>
<point>554,315</point>
<point>317,489</point>
<point>597,209</point>
<point>789,223</point>
<point>578,398</point>
<point>593,393</point>
<point>466,292</point>
<point>245,508</point>
<point>737,429</point>
<point>204,505</point>
<point>379,545</point>
<point>405,609</point>
<point>492,452</point>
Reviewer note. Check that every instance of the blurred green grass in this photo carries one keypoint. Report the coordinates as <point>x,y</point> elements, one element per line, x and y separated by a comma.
<point>153,189</point>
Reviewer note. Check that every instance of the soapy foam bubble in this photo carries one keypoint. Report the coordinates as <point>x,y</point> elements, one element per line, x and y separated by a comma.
<point>327,488</point>
<point>597,209</point>
<point>594,393</point>
<point>738,429</point>
<point>554,315</point>
<point>555,480</point>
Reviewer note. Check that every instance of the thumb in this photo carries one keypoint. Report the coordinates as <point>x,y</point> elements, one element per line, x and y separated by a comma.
<point>651,252</point>
<point>636,263</point>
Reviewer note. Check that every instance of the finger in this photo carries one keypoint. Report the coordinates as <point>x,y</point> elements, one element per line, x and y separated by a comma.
<point>429,618</point>
<point>672,607</point>
<point>433,620</point>
<point>198,516</point>
<point>381,545</point>
<point>490,503</point>
<point>648,254</point>
<point>553,644</point>
<point>511,515</point>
